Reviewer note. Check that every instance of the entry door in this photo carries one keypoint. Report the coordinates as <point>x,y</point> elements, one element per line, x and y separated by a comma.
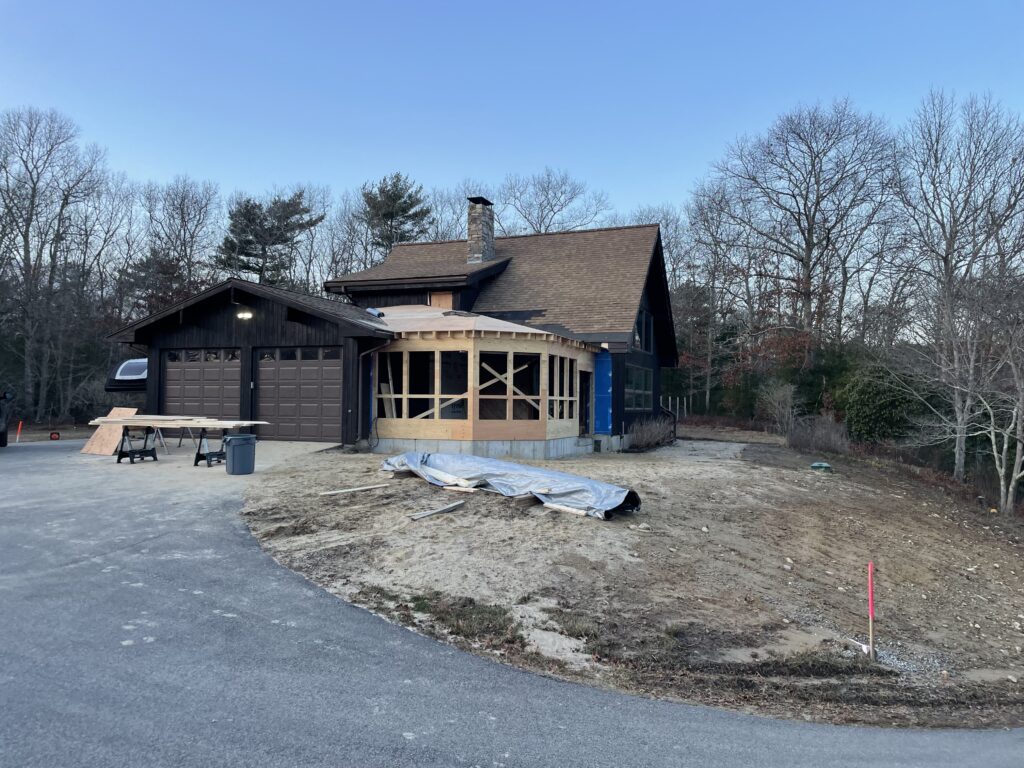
<point>584,402</point>
<point>299,391</point>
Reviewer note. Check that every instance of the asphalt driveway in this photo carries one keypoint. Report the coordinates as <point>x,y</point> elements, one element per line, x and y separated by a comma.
<point>140,625</point>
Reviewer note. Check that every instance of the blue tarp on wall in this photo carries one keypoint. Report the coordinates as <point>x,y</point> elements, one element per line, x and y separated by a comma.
<point>603,393</point>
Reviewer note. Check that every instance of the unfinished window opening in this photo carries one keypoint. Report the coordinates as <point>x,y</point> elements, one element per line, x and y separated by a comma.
<point>562,387</point>
<point>493,378</point>
<point>493,372</point>
<point>454,381</point>
<point>526,387</point>
<point>421,382</point>
<point>493,409</point>
<point>390,385</point>
<point>423,385</point>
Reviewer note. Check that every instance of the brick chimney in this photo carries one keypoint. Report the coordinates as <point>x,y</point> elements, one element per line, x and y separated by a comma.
<point>481,230</point>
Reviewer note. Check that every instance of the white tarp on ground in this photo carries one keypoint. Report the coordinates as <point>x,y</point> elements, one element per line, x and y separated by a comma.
<point>595,498</point>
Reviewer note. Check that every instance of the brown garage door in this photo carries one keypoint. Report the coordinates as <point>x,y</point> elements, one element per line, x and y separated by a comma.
<point>298,390</point>
<point>202,382</point>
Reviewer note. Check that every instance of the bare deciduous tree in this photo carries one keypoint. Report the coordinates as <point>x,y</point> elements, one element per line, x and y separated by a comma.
<point>963,184</point>
<point>807,192</point>
<point>549,201</point>
<point>44,174</point>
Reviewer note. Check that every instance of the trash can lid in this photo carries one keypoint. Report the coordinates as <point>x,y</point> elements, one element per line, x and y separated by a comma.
<point>239,438</point>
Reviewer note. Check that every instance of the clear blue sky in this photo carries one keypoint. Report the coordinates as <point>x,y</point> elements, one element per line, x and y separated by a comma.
<point>636,98</point>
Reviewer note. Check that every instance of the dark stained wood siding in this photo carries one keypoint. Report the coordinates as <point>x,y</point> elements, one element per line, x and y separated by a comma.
<point>214,324</point>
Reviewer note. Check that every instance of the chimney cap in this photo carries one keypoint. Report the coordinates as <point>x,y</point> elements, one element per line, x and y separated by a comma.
<point>479,200</point>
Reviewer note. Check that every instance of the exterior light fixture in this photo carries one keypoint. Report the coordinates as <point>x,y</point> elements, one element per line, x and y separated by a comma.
<point>244,314</point>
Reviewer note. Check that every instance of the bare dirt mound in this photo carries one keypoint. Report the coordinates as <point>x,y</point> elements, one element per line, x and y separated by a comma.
<point>738,584</point>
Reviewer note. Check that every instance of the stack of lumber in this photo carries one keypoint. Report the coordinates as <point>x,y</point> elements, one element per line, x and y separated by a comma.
<point>107,437</point>
<point>172,422</point>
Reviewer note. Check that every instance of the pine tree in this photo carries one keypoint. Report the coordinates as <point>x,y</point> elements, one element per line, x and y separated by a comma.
<point>261,237</point>
<point>395,211</point>
<point>158,280</point>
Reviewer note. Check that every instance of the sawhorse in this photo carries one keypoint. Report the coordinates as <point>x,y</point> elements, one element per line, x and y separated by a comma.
<point>127,450</point>
<point>203,452</point>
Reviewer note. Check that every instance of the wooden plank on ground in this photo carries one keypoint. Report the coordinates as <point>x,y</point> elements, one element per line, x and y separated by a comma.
<point>353,490</point>
<point>449,508</point>
<point>107,437</point>
<point>459,488</point>
<point>561,508</point>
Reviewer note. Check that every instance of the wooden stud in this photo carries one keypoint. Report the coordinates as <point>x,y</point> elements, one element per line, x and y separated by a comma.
<point>562,508</point>
<point>352,490</point>
<point>449,508</point>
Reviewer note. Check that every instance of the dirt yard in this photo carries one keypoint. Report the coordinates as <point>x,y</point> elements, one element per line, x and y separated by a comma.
<point>740,582</point>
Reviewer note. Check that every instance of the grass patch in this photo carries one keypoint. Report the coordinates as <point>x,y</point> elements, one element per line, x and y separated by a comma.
<point>804,664</point>
<point>574,624</point>
<point>484,623</point>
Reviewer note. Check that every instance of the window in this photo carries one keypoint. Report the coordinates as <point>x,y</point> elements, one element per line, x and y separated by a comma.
<point>232,355</point>
<point>267,355</point>
<point>132,369</point>
<point>643,331</point>
<point>639,388</point>
<point>192,355</point>
<point>173,356</point>
<point>332,353</point>
<point>211,355</point>
<point>310,353</point>
<point>562,387</point>
<point>288,354</point>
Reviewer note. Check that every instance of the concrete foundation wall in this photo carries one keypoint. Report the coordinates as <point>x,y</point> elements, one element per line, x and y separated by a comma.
<point>611,443</point>
<point>495,449</point>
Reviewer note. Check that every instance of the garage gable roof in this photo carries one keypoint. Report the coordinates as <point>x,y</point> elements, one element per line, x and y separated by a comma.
<point>318,306</point>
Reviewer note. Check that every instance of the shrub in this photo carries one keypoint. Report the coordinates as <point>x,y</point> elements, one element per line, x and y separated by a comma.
<point>819,433</point>
<point>651,432</point>
<point>775,405</point>
<point>875,409</point>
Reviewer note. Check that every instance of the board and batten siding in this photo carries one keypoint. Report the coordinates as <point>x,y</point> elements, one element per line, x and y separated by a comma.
<point>214,324</point>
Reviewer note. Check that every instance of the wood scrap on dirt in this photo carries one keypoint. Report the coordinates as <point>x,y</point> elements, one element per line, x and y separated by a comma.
<point>740,582</point>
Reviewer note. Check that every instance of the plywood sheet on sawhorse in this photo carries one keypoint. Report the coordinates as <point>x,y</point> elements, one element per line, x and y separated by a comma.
<point>107,437</point>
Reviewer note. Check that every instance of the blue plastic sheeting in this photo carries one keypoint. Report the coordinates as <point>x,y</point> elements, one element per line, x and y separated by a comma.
<point>603,392</point>
<point>591,497</point>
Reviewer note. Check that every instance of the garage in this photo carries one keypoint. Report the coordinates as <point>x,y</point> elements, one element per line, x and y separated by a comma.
<point>242,350</point>
<point>203,382</point>
<point>299,391</point>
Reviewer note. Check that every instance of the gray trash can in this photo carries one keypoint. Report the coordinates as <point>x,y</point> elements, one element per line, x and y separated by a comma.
<point>241,454</point>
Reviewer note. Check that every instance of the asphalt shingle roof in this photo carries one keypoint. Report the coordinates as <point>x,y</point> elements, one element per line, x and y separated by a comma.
<point>586,282</point>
